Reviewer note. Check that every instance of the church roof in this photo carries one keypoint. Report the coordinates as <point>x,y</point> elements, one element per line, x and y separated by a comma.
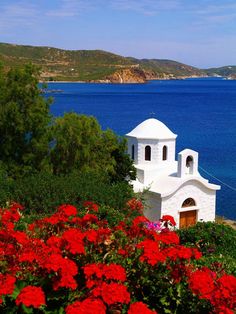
<point>152,129</point>
<point>165,181</point>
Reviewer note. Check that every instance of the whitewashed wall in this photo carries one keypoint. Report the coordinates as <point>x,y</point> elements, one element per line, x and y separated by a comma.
<point>133,141</point>
<point>156,150</point>
<point>152,206</point>
<point>204,198</point>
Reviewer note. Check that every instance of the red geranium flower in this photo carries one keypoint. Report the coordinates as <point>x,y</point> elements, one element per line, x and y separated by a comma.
<point>31,296</point>
<point>169,218</point>
<point>112,293</point>
<point>74,241</point>
<point>135,204</point>
<point>7,284</point>
<point>88,306</point>
<point>67,210</point>
<point>91,206</point>
<point>151,252</point>
<point>201,283</point>
<point>140,307</point>
<point>15,206</point>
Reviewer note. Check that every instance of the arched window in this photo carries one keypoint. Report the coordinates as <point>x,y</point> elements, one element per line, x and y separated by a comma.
<point>133,152</point>
<point>164,153</point>
<point>147,152</point>
<point>189,165</point>
<point>189,202</point>
<point>189,161</point>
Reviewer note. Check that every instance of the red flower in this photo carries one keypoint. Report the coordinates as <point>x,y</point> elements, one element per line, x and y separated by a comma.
<point>227,284</point>
<point>95,272</point>
<point>139,220</point>
<point>112,293</point>
<point>7,284</point>
<point>225,294</point>
<point>201,283</point>
<point>169,237</point>
<point>67,210</point>
<point>74,241</point>
<point>55,243</point>
<point>135,204</point>
<point>140,307</point>
<point>15,206</point>
<point>114,272</point>
<point>91,206</point>
<point>31,296</point>
<point>88,306</point>
<point>224,310</point>
<point>169,218</point>
<point>20,237</point>
<point>151,252</point>
<point>89,218</point>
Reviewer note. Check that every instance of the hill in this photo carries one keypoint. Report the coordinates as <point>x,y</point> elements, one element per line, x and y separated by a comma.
<point>100,66</point>
<point>92,65</point>
<point>226,71</point>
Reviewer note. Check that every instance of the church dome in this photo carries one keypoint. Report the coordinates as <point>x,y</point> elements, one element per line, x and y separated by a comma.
<point>152,129</point>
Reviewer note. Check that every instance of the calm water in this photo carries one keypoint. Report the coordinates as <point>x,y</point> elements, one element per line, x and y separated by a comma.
<point>201,111</point>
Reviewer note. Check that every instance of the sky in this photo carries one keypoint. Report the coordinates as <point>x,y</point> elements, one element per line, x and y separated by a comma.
<point>201,33</point>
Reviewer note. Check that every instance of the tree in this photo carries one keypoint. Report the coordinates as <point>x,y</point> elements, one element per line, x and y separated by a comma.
<point>24,121</point>
<point>75,139</point>
<point>124,168</point>
<point>80,144</point>
<point>31,141</point>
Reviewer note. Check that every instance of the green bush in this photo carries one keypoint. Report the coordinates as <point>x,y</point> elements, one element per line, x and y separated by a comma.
<point>217,243</point>
<point>211,238</point>
<point>43,192</point>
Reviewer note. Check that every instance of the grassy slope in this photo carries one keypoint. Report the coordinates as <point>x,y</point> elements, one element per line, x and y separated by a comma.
<point>85,64</point>
<point>64,64</point>
<point>223,71</point>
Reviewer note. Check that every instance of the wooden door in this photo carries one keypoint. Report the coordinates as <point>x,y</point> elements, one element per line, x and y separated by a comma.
<point>188,218</point>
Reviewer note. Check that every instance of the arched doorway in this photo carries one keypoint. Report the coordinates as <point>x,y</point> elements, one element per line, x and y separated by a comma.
<point>189,217</point>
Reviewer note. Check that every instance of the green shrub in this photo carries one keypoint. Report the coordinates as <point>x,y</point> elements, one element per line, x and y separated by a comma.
<point>211,238</point>
<point>44,192</point>
<point>217,243</point>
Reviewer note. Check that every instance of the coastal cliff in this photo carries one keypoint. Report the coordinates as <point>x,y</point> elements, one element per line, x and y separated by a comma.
<point>129,75</point>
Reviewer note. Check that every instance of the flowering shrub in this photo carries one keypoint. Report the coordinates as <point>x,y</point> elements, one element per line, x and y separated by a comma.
<point>31,296</point>
<point>75,262</point>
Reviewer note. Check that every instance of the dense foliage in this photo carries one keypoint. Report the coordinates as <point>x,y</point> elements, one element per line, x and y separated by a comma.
<point>24,120</point>
<point>74,262</point>
<point>32,141</point>
<point>42,192</point>
<point>217,243</point>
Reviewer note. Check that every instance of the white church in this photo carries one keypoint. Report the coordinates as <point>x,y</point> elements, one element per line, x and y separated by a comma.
<point>173,187</point>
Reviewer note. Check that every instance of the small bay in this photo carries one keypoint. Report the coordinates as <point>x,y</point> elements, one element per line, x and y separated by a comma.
<point>201,111</point>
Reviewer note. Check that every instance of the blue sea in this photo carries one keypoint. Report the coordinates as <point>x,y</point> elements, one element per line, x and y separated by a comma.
<point>201,111</point>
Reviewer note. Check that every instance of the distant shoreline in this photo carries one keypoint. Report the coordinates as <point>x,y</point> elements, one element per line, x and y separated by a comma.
<point>154,79</point>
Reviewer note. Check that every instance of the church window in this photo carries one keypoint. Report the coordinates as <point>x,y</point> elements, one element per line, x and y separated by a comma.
<point>189,161</point>
<point>189,165</point>
<point>189,202</point>
<point>133,152</point>
<point>147,152</point>
<point>164,153</point>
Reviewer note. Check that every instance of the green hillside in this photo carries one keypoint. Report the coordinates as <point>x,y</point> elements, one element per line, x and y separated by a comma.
<point>64,64</point>
<point>227,71</point>
<point>94,65</point>
<point>169,67</point>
